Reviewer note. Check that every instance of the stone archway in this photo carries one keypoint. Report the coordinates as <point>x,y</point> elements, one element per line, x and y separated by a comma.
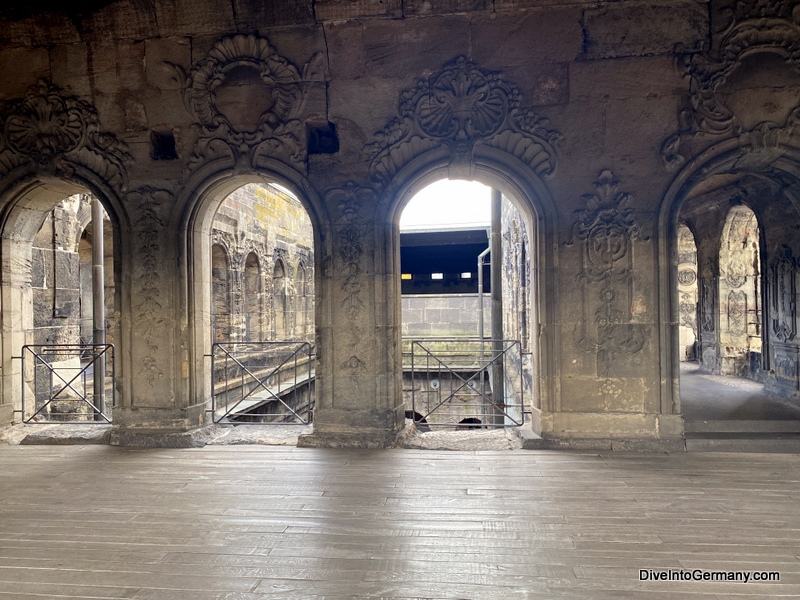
<point>52,147</point>
<point>202,197</point>
<point>22,216</point>
<point>768,183</point>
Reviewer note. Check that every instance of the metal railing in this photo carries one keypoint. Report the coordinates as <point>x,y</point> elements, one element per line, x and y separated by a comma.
<point>62,380</point>
<point>465,383</point>
<point>262,382</point>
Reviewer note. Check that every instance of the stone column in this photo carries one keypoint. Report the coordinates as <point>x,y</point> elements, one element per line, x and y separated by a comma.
<point>359,396</point>
<point>17,323</point>
<point>708,300</point>
<point>156,407</point>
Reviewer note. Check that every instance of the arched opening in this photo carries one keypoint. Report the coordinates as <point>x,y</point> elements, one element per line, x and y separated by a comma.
<point>466,307</point>
<point>737,218</point>
<point>687,291</point>
<point>740,295</point>
<point>263,367</point>
<point>61,305</point>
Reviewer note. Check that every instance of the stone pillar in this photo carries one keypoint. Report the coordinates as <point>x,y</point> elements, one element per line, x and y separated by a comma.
<point>359,395</point>
<point>708,302</point>
<point>157,405</point>
<point>17,322</point>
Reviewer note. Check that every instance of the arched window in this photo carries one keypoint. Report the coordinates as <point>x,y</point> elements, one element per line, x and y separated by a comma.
<point>220,294</point>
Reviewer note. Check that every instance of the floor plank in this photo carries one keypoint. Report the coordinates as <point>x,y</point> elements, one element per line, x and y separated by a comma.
<point>256,523</point>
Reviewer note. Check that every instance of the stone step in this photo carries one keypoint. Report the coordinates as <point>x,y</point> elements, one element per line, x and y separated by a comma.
<point>787,443</point>
<point>744,426</point>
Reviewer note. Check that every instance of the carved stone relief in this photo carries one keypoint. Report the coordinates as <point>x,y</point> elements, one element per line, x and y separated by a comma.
<point>606,228</point>
<point>737,312</point>
<point>56,131</point>
<point>686,277</point>
<point>606,231</point>
<point>707,304</point>
<point>268,122</point>
<point>148,312</point>
<point>783,292</point>
<point>460,106</point>
<point>786,366</point>
<point>688,312</point>
<point>751,25</point>
<point>352,231</point>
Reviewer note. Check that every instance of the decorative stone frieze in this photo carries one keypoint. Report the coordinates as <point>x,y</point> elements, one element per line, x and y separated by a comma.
<point>458,107</point>
<point>57,132</point>
<point>751,26</point>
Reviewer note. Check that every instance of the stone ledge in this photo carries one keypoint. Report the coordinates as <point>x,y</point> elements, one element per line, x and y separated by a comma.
<point>368,440</point>
<point>782,443</point>
<point>6,414</point>
<point>155,438</point>
<point>604,444</point>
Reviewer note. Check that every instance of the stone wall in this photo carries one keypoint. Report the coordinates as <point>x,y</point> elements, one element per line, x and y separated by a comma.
<point>444,315</point>
<point>263,275</point>
<point>607,124</point>
<point>61,276</point>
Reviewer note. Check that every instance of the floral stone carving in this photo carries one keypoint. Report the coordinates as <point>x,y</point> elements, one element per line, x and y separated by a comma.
<point>56,132</point>
<point>458,107</point>
<point>148,276</point>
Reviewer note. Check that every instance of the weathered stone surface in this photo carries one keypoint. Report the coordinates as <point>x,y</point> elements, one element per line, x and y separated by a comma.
<point>63,435</point>
<point>194,17</point>
<point>251,15</point>
<point>162,56</point>
<point>510,39</point>
<point>429,7</point>
<point>123,20</point>
<point>337,10</point>
<point>632,29</point>
<point>444,91</point>
<point>20,68</point>
<point>196,438</point>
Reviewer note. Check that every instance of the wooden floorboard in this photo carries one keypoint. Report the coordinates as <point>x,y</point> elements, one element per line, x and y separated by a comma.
<point>257,523</point>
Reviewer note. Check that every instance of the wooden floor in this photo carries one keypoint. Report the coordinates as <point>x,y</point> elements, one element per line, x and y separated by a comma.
<point>256,523</point>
